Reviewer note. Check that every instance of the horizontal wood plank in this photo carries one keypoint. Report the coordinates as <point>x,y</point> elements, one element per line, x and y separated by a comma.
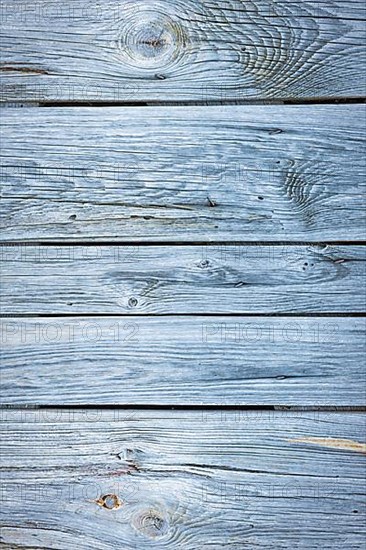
<point>185,360</point>
<point>182,279</point>
<point>165,174</point>
<point>156,51</point>
<point>140,479</point>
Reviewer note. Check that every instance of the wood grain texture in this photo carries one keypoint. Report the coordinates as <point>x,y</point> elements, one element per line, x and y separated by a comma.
<point>186,361</point>
<point>182,279</point>
<point>200,173</point>
<point>182,50</point>
<point>182,480</point>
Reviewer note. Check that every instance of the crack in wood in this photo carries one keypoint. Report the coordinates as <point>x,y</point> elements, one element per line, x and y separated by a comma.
<point>332,443</point>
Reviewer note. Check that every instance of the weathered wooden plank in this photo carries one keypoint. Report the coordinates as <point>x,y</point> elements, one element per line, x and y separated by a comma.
<point>181,479</point>
<point>259,173</point>
<point>182,50</point>
<point>187,361</point>
<point>182,279</point>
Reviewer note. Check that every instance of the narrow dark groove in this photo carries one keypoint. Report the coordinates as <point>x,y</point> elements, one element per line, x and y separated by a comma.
<point>192,314</point>
<point>206,103</point>
<point>182,243</point>
<point>325,101</point>
<point>152,103</point>
<point>156,407</point>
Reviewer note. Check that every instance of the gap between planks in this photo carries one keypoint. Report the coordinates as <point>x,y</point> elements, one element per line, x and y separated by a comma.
<point>336,315</point>
<point>181,243</point>
<point>101,104</point>
<point>176,407</point>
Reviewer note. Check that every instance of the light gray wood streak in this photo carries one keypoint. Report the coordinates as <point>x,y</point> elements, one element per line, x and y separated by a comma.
<point>182,50</point>
<point>187,361</point>
<point>182,279</point>
<point>235,479</point>
<point>199,173</point>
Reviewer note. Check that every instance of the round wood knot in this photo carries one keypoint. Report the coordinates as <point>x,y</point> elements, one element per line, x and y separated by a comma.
<point>132,302</point>
<point>110,502</point>
<point>204,264</point>
<point>151,523</point>
<point>151,40</point>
